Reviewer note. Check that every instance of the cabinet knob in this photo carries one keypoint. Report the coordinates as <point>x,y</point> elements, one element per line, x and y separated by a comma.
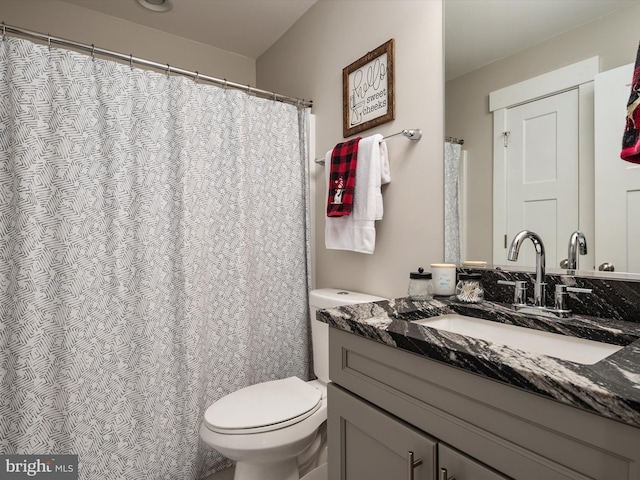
<point>443,475</point>
<point>412,464</point>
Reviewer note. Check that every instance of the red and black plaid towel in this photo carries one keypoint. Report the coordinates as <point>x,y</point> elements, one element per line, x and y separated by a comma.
<point>631,139</point>
<point>342,178</point>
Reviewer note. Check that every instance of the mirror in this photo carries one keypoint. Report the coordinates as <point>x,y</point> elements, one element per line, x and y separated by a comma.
<point>494,44</point>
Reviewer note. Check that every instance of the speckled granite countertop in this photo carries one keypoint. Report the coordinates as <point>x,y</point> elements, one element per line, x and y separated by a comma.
<point>610,388</point>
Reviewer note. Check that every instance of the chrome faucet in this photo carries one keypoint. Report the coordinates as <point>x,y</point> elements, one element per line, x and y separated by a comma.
<point>577,244</point>
<point>540,285</point>
<point>539,298</point>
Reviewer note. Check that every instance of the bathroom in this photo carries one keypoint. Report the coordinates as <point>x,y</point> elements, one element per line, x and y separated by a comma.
<point>307,62</point>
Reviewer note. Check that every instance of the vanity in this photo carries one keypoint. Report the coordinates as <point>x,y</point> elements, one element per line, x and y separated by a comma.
<point>411,401</point>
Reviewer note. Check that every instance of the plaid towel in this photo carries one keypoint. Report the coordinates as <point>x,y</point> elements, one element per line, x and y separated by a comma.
<point>342,178</point>
<point>631,139</point>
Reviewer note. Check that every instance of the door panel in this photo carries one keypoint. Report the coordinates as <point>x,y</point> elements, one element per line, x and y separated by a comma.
<point>542,174</point>
<point>617,183</point>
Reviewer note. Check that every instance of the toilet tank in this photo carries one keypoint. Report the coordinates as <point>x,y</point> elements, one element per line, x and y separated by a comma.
<point>329,298</point>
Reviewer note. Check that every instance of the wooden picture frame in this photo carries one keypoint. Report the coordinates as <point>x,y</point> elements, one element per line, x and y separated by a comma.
<point>368,91</point>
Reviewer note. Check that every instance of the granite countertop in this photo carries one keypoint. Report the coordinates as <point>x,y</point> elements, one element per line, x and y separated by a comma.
<point>610,388</point>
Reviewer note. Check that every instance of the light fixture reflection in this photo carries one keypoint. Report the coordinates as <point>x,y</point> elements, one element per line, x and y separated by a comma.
<point>157,5</point>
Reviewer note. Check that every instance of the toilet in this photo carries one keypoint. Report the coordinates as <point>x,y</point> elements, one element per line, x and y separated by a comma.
<point>276,430</point>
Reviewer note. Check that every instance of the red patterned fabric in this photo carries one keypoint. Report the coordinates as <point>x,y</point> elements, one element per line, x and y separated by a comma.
<point>631,139</point>
<point>342,178</point>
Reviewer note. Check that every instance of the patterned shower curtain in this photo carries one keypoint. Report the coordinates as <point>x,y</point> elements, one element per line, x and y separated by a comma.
<point>152,259</point>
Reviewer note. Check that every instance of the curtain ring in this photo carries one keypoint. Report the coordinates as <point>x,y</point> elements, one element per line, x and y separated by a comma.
<point>197,75</point>
<point>130,61</point>
<point>249,89</point>
<point>49,41</point>
<point>93,51</point>
<point>275,96</point>
<point>225,84</point>
<point>4,31</point>
<point>168,69</point>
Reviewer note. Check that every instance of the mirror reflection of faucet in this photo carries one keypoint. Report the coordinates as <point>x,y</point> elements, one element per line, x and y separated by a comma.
<point>577,243</point>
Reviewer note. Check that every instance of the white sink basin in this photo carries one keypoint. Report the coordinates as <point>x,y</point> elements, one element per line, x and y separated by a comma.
<point>573,349</point>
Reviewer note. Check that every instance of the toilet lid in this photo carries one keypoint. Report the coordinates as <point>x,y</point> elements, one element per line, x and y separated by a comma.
<point>263,407</point>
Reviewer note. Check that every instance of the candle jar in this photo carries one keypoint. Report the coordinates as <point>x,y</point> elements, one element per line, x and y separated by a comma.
<point>469,288</point>
<point>444,279</point>
<point>420,285</point>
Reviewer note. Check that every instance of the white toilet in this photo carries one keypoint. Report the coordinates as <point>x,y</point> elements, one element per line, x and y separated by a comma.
<point>277,430</point>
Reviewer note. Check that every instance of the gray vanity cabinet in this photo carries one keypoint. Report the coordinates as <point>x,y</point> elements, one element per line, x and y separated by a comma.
<point>385,402</point>
<point>373,445</point>
<point>453,465</point>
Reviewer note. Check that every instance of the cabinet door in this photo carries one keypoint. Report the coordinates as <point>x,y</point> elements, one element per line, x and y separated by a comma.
<point>453,465</point>
<point>368,443</point>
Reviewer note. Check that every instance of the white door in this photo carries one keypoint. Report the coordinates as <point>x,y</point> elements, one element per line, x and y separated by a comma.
<point>541,151</point>
<point>617,184</point>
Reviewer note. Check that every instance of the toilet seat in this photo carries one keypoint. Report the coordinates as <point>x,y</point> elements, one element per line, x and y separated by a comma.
<point>263,407</point>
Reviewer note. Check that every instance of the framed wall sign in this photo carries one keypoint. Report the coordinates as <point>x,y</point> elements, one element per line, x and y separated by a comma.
<point>368,91</point>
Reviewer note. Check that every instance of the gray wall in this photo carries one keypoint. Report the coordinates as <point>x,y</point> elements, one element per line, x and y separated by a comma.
<point>307,62</point>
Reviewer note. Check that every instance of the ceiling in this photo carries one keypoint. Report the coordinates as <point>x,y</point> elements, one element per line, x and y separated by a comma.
<point>480,32</point>
<point>245,27</point>
<point>476,32</point>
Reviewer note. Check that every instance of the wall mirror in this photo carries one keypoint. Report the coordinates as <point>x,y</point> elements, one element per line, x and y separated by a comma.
<point>495,44</point>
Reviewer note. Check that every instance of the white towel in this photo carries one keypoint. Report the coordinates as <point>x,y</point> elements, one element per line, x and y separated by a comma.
<point>357,231</point>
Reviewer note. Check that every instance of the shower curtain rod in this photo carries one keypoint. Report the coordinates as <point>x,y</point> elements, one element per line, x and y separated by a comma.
<point>413,134</point>
<point>149,63</point>
<point>459,141</point>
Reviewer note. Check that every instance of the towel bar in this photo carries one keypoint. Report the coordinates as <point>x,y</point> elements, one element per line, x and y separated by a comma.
<point>413,134</point>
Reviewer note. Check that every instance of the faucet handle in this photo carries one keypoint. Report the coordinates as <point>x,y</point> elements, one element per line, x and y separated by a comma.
<point>579,290</point>
<point>520,292</point>
<point>561,295</point>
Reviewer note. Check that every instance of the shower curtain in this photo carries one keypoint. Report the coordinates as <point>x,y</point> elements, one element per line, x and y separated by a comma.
<point>452,153</point>
<point>152,259</point>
